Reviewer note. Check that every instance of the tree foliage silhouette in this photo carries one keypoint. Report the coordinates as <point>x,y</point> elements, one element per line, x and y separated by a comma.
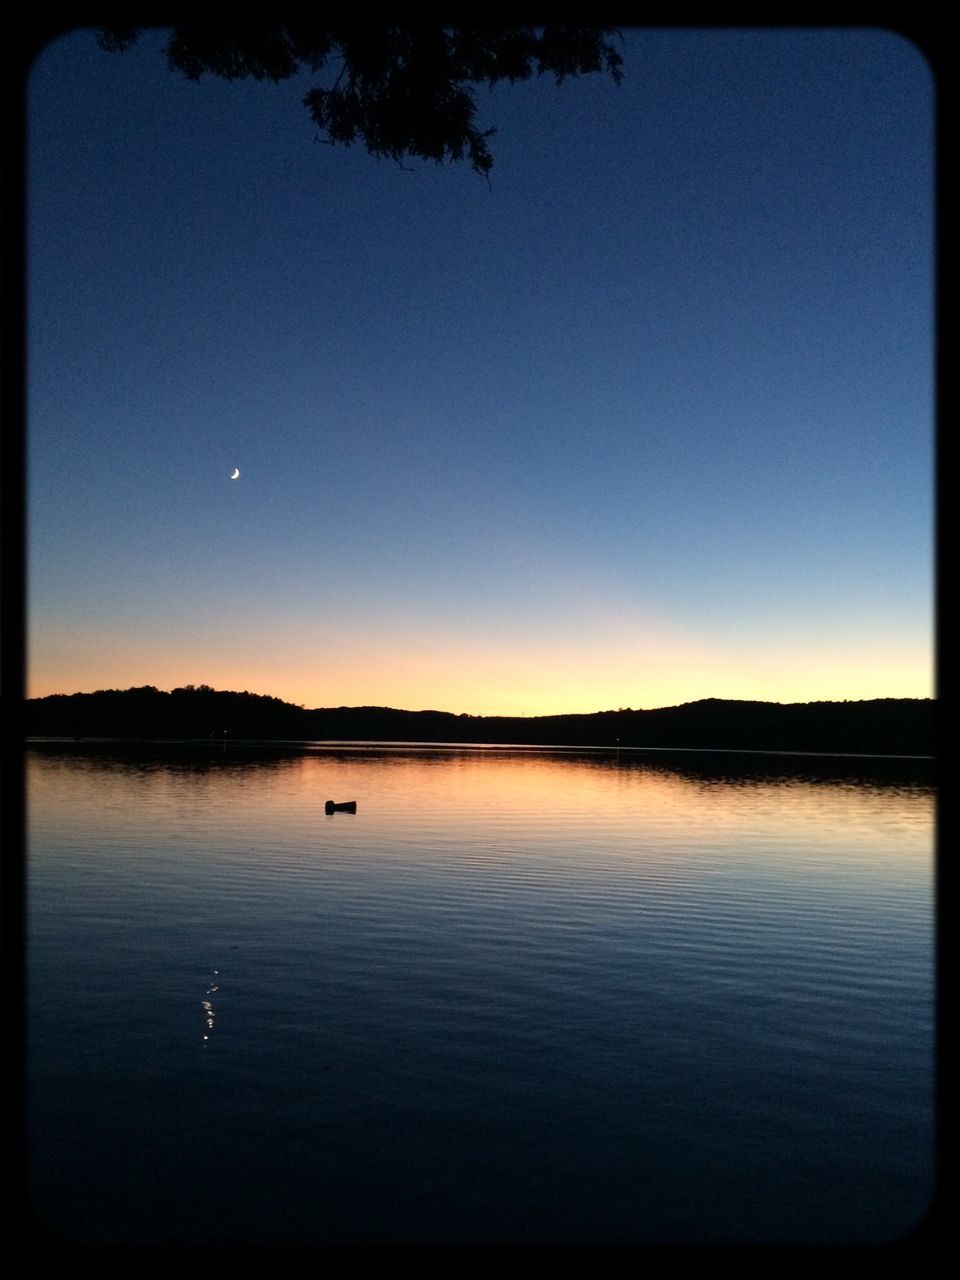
<point>402,91</point>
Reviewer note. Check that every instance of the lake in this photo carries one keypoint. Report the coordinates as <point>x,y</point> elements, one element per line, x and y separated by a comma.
<point>519,997</point>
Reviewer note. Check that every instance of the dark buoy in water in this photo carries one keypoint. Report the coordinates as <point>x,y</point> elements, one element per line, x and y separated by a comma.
<point>348,806</point>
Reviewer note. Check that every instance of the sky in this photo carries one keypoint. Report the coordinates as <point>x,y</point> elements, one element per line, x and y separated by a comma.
<point>647,418</point>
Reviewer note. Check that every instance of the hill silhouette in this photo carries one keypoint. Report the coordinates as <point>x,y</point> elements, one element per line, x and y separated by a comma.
<point>880,726</point>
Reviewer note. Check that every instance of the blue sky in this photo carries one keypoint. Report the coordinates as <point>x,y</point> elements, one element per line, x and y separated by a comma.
<point>646,419</point>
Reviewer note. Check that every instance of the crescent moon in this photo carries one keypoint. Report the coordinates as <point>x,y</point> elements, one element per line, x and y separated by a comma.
<point>236,473</point>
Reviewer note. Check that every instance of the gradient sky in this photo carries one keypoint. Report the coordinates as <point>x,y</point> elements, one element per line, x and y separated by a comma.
<point>648,418</point>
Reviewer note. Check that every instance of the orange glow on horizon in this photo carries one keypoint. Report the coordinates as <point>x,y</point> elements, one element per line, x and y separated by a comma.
<point>604,660</point>
<point>489,688</point>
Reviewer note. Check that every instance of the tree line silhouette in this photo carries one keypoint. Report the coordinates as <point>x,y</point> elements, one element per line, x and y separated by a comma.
<point>880,726</point>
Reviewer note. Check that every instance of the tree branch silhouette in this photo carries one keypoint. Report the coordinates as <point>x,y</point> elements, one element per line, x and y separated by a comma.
<point>401,91</point>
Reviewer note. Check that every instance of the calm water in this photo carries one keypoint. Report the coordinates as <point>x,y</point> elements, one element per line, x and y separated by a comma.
<point>517,997</point>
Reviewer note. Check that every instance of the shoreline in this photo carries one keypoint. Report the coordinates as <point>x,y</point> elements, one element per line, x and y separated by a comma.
<point>422,745</point>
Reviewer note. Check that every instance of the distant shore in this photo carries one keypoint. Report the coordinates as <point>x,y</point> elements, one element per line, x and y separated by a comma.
<point>877,727</point>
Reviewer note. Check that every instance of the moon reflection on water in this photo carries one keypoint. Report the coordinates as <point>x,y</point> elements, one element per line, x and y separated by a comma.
<point>209,1014</point>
